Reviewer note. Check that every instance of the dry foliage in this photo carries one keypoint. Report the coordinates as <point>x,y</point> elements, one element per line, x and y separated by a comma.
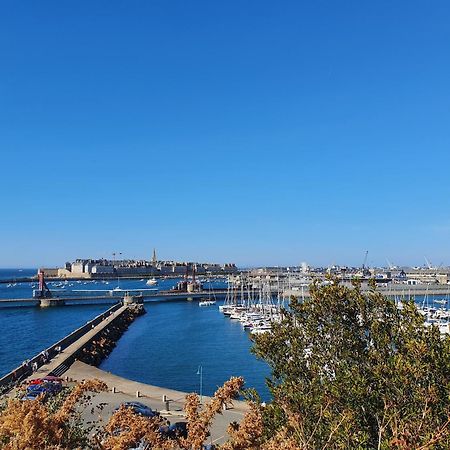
<point>247,434</point>
<point>33,425</point>
<point>36,425</point>
<point>125,429</point>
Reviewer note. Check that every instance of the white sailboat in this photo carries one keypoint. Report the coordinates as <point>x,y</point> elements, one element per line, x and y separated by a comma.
<point>210,300</point>
<point>152,282</point>
<point>206,302</point>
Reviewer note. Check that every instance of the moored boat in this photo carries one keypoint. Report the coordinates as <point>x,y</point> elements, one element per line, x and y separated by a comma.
<point>207,302</point>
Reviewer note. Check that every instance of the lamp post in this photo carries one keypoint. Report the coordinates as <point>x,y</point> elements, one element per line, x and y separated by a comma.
<point>200,372</point>
<point>114,266</point>
<point>118,282</point>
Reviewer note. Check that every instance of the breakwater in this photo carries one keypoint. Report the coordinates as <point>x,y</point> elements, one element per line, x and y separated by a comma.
<point>106,327</point>
<point>104,342</point>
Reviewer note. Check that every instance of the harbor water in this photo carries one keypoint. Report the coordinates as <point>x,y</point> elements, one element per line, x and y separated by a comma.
<point>27,330</point>
<point>165,347</point>
<point>170,346</point>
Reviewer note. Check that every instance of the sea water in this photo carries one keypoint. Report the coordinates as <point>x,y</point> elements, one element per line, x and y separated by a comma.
<point>165,347</point>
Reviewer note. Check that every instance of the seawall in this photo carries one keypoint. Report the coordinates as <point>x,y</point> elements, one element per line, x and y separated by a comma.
<point>80,343</point>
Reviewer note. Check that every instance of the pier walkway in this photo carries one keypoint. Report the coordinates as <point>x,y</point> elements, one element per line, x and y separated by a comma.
<point>61,354</point>
<point>401,291</point>
<point>64,359</point>
<point>117,297</point>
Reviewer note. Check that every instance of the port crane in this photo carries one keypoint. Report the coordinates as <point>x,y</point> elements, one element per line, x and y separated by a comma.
<point>390,265</point>
<point>364,269</point>
<point>365,260</point>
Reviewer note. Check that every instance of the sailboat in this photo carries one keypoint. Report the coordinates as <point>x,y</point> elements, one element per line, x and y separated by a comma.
<point>210,300</point>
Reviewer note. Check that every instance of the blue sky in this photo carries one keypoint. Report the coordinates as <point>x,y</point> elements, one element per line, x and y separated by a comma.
<point>258,132</point>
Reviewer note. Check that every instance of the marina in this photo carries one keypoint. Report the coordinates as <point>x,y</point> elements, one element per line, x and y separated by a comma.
<point>162,348</point>
<point>211,320</point>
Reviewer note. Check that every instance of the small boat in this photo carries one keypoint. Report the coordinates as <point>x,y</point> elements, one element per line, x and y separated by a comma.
<point>444,328</point>
<point>261,329</point>
<point>441,302</point>
<point>152,282</point>
<point>236,315</point>
<point>206,302</point>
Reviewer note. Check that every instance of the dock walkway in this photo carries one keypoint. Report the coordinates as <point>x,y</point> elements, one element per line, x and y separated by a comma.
<point>66,357</point>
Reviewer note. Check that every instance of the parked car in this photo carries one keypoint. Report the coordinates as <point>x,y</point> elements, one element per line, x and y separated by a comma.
<point>140,409</point>
<point>42,386</point>
<point>33,394</point>
<point>177,429</point>
<point>48,378</point>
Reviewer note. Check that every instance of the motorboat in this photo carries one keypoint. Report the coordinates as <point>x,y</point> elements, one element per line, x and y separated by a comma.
<point>261,329</point>
<point>206,302</point>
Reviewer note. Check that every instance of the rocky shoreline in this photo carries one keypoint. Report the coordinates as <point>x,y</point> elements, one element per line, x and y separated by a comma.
<point>104,343</point>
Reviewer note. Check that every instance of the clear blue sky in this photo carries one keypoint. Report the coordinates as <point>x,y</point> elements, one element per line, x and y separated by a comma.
<point>258,132</point>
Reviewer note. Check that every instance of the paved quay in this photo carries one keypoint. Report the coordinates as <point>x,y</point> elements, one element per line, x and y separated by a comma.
<point>104,403</point>
<point>66,355</point>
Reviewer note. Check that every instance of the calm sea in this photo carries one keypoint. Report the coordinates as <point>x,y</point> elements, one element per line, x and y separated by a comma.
<point>6,274</point>
<point>165,347</point>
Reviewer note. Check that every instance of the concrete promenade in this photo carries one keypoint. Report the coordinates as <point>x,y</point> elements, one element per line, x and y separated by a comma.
<point>105,403</point>
<point>67,356</point>
<point>60,351</point>
<point>80,371</point>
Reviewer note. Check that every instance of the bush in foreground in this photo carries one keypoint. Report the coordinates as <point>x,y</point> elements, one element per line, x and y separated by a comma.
<point>353,370</point>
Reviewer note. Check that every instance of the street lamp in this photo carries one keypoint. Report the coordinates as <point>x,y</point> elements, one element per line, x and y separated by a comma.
<point>200,372</point>
<point>114,266</point>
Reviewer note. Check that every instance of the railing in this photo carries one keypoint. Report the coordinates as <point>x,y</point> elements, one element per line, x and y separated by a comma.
<point>25,370</point>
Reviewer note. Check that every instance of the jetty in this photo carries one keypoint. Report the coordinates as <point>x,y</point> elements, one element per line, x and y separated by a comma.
<point>110,297</point>
<point>57,358</point>
<point>398,291</point>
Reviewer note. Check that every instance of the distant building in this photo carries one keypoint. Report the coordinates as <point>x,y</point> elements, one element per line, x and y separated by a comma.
<point>77,267</point>
<point>94,268</point>
<point>100,269</point>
